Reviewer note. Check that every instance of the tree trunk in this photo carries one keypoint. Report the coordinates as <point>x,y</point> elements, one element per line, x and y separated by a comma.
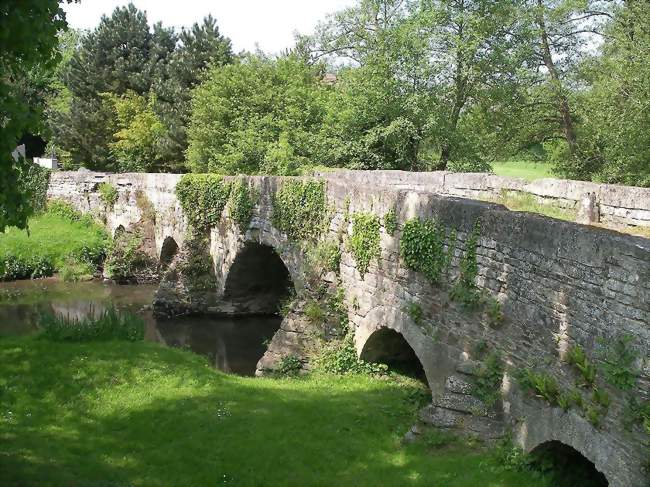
<point>556,83</point>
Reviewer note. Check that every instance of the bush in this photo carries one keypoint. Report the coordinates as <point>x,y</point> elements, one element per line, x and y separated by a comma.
<point>64,210</point>
<point>340,357</point>
<point>290,366</point>
<point>126,262</point>
<point>109,325</point>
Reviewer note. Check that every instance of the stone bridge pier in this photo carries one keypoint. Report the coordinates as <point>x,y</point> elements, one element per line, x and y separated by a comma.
<point>547,287</point>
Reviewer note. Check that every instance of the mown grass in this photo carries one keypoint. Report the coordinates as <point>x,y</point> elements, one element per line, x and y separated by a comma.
<point>121,413</point>
<point>528,170</point>
<point>52,243</point>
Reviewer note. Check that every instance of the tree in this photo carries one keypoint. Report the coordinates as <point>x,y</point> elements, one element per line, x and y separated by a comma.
<point>22,48</point>
<point>615,109</point>
<point>246,115</point>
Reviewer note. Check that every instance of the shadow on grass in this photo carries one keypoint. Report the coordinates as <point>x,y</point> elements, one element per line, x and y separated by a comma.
<point>138,414</point>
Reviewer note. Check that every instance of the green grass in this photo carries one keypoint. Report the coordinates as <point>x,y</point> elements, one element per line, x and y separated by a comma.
<point>120,413</point>
<point>528,170</point>
<point>53,243</point>
<point>516,201</point>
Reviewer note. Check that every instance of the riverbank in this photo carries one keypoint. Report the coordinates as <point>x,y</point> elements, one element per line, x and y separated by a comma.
<point>140,414</point>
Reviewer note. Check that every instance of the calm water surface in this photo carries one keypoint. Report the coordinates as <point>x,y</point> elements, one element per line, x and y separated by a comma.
<point>231,345</point>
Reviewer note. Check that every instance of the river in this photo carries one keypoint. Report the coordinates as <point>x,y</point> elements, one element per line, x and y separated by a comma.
<point>232,345</point>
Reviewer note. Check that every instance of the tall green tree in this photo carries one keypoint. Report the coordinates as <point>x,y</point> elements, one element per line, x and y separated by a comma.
<point>259,115</point>
<point>23,48</point>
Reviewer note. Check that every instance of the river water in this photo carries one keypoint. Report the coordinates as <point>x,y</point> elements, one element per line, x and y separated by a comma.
<point>231,345</point>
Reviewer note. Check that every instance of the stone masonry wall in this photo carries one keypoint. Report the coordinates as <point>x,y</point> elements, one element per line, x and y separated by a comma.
<point>559,283</point>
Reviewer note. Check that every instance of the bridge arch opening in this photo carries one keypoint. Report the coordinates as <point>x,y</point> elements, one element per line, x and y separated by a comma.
<point>389,347</point>
<point>168,251</point>
<point>258,280</point>
<point>567,466</point>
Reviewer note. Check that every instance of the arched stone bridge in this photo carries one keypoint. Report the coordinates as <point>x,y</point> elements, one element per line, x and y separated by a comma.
<point>558,284</point>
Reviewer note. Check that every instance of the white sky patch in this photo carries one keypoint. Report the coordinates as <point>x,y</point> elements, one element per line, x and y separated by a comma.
<point>267,23</point>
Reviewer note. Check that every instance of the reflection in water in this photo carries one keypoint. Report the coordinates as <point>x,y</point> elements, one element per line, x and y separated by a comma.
<point>231,344</point>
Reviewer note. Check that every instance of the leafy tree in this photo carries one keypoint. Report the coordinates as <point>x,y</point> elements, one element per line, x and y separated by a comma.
<point>22,48</point>
<point>137,143</point>
<point>252,116</point>
<point>615,107</point>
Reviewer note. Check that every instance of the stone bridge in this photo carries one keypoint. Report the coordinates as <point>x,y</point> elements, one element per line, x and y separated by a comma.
<point>558,284</point>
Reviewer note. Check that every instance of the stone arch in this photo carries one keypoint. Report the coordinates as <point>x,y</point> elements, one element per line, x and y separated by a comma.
<point>572,467</point>
<point>438,360</point>
<point>258,280</point>
<point>168,251</point>
<point>388,346</point>
<point>550,426</point>
<point>118,232</point>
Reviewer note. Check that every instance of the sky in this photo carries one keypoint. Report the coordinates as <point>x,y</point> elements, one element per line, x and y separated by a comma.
<point>269,23</point>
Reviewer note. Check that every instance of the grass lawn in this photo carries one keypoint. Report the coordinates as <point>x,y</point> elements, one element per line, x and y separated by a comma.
<point>117,413</point>
<point>522,169</point>
<point>51,244</point>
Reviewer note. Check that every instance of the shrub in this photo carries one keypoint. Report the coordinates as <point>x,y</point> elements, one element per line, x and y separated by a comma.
<point>300,209</point>
<point>487,384</point>
<point>108,194</point>
<point>324,256</point>
<point>64,210</point>
<point>126,259</point>
<point>109,325</point>
<point>290,365</point>
<point>340,357</point>
<point>364,242</point>
<point>619,362</point>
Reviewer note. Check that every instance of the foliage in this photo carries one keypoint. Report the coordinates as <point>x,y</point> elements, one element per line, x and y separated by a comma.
<point>619,361</point>
<point>315,313</point>
<point>258,115</point>
<point>494,313</point>
<point>290,365</point>
<point>55,240</point>
<point>118,387</point>
<point>110,324</point>
<point>126,261</point>
<point>487,384</point>
<point>300,209</point>
<point>637,412</point>
<point>241,202</point>
<point>33,181</point>
<point>568,399</point>
<point>146,207</point>
<point>340,357</point>
<point>541,384</point>
<point>137,144</point>
<point>325,256</point>
<point>465,290</point>
<point>203,198</point>
<point>422,248</point>
<point>108,194</point>
<point>129,109</point>
<point>390,222</point>
<point>576,356</point>
<point>196,268</point>
<point>364,242</point>
<point>415,312</point>
<point>25,54</point>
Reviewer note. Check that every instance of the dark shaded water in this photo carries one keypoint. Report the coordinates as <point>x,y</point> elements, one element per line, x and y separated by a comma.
<point>231,345</point>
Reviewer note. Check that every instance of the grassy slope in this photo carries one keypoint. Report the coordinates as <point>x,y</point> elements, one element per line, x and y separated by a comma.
<point>140,414</point>
<point>522,169</point>
<point>52,237</point>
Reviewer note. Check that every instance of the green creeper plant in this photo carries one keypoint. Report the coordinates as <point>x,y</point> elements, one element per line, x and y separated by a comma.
<point>364,241</point>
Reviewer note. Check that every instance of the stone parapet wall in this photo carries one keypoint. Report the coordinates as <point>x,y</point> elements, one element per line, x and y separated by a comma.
<point>616,205</point>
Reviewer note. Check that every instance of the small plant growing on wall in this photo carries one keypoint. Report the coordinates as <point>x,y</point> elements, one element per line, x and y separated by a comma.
<point>415,312</point>
<point>422,248</point>
<point>577,357</point>
<point>465,290</point>
<point>108,194</point>
<point>619,361</point>
<point>364,242</point>
<point>487,384</point>
<point>390,222</point>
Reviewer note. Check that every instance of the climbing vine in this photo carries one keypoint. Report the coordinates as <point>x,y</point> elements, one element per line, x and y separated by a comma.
<point>203,198</point>
<point>241,202</point>
<point>364,241</point>
<point>300,209</point>
<point>422,248</point>
<point>465,290</point>
<point>390,222</point>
